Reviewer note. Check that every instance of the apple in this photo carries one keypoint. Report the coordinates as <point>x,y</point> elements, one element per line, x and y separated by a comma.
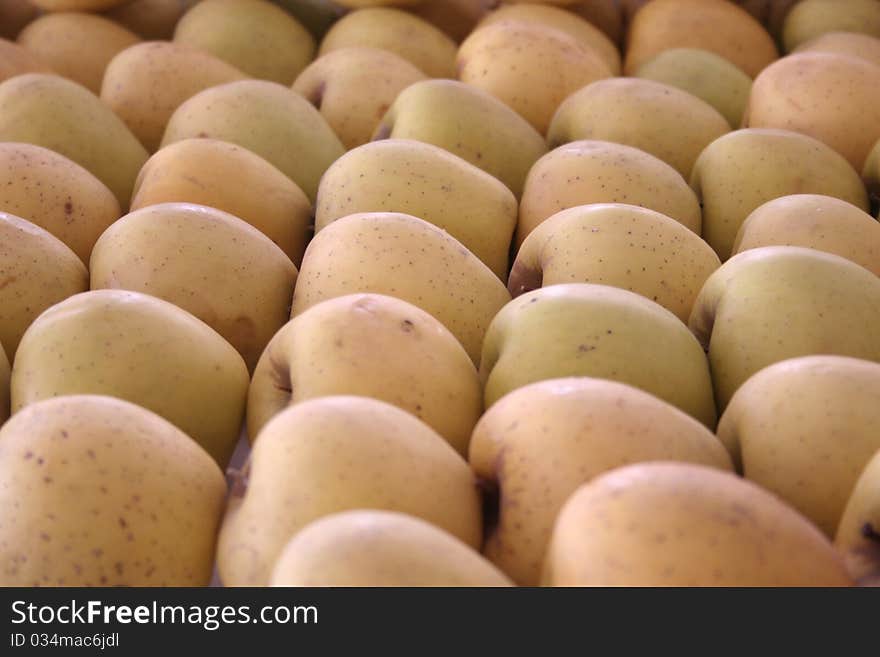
<point>583,329</point>
<point>505,58</point>
<point>468,123</point>
<point>392,175</point>
<point>664,121</point>
<point>380,548</point>
<point>615,244</point>
<point>374,346</point>
<point>337,454</point>
<point>587,172</point>
<point>141,349</point>
<point>354,87</point>
<point>773,303</point>
<point>681,524</point>
<point>210,263</point>
<point>818,222</point>
<point>744,169</point>
<point>100,492</point>
<point>404,257</point>
<point>37,270</point>
<point>539,443</point>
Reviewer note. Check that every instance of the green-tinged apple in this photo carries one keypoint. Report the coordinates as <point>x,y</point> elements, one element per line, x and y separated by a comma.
<point>704,74</point>
<point>254,36</point>
<point>469,123</point>
<point>139,348</point>
<point>773,303</point>
<point>812,18</point>
<point>744,169</point>
<point>50,111</point>
<point>583,329</point>
<point>273,121</point>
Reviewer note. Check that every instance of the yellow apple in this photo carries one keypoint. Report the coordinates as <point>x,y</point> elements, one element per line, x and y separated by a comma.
<point>680,524</point>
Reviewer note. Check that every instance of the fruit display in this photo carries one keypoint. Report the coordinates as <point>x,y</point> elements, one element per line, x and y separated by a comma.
<point>440,293</point>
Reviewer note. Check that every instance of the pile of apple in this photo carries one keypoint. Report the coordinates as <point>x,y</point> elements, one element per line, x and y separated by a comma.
<point>573,292</point>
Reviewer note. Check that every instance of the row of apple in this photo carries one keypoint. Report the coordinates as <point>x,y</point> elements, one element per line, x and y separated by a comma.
<point>100,490</point>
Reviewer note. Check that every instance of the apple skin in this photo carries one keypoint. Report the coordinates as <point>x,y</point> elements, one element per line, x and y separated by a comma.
<point>196,257</point>
<point>659,119</point>
<point>56,194</point>
<point>145,83</point>
<point>539,443</point>
<point>744,169</point>
<point>37,270</point>
<point>616,244</point>
<point>808,419</point>
<point>141,349</point>
<point>267,118</point>
<point>582,329</point>
<point>337,454</point>
<point>862,46</point>
<point>374,346</point>
<point>77,46</point>
<point>233,179</point>
<point>474,207</point>
<point>354,87</point>
<point>100,492</point>
<point>505,57</point>
<point>704,74</point>
<point>566,20</point>
<point>793,94</point>
<point>585,172</point>
<point>4,386</point>
<point>380,548</point>
<point>715,25</point>
<point>858,534</point>
<point>467,122</point>
<point>773,303</point>
<point>395,30</point>
<point>18,60</point>
<point>407,258</point>
<point>812,18</point>
<point>681,524</point>
<point>818,222</point>
<point>254,36</point>
<point>65,117</point>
